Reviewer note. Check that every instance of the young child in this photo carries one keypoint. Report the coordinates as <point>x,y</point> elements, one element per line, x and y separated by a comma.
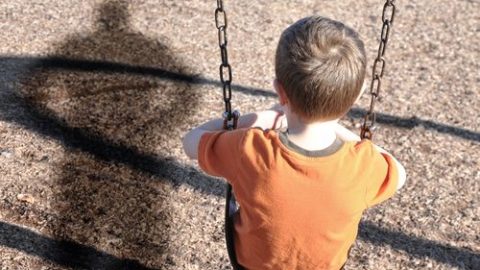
<point>302,190</point>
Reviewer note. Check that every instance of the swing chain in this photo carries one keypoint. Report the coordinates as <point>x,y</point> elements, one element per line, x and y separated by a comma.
<point>388,15</point>
<point>230,118</point>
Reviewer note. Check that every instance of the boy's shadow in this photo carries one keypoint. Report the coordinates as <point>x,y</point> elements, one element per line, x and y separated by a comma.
<point>103,203</point>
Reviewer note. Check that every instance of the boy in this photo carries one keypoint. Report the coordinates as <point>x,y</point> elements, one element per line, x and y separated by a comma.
<point>302,190</point>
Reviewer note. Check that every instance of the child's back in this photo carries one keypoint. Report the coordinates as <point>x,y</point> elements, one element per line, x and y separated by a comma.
<point>300,209</point>
<point>301,191</point>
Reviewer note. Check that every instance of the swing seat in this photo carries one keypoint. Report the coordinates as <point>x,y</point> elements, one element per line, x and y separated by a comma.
<point>231,208</point>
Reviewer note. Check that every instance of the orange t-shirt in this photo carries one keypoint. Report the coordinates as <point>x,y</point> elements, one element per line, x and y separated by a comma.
<point>298,209</point>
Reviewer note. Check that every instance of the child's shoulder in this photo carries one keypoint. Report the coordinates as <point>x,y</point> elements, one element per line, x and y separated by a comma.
<point>262,139</point>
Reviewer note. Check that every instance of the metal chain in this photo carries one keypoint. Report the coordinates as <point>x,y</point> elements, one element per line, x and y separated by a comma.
<point>230,118</point>
<point>388,15</point>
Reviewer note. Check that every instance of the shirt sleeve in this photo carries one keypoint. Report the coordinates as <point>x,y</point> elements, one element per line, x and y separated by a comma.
<point>219,152</point>
<point>383,183</point>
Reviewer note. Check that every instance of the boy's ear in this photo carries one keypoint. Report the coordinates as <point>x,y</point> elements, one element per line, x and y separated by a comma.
<point>282,96</point>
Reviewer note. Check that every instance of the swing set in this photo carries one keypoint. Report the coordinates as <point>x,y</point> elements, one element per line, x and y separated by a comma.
<point>230,118</point>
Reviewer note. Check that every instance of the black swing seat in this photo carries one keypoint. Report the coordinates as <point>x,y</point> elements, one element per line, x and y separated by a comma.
<point>231,208</point>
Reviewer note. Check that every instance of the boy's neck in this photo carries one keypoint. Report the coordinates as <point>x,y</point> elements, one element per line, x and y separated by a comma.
<point>315,135</point>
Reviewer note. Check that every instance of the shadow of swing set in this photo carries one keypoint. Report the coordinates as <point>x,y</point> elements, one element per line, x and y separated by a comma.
<point>108,116</point>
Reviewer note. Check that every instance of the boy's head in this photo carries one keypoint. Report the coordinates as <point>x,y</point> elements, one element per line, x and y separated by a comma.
<point>320,64</point>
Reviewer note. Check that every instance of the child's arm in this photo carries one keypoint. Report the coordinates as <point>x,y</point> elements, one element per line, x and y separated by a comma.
<point>269,119</point>
<point>346,135</point>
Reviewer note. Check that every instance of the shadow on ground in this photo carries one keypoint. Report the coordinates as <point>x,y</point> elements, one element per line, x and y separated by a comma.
<point>117,116</point>
<point>419,247</point>
<point>62,252</point>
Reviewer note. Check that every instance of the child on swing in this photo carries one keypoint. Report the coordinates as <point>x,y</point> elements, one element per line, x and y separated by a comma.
<point>301,179</point>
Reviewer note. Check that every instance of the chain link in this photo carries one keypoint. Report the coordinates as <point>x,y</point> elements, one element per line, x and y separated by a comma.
<point>230,118</point>
<point>230,121</point>
<point>388,15</point>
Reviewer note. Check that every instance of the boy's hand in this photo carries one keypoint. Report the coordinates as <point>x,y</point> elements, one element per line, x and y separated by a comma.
<point>280,121</point>
<point>277,107</point>
<point>273,118</point>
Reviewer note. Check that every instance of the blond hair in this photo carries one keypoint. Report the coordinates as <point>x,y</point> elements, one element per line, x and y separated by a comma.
<point>321,65</point>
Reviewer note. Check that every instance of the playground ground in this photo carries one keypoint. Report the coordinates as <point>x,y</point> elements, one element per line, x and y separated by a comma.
<point>95,96</point>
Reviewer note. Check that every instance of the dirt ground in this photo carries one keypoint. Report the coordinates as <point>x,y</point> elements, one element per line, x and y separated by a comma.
<point>95,96</point>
